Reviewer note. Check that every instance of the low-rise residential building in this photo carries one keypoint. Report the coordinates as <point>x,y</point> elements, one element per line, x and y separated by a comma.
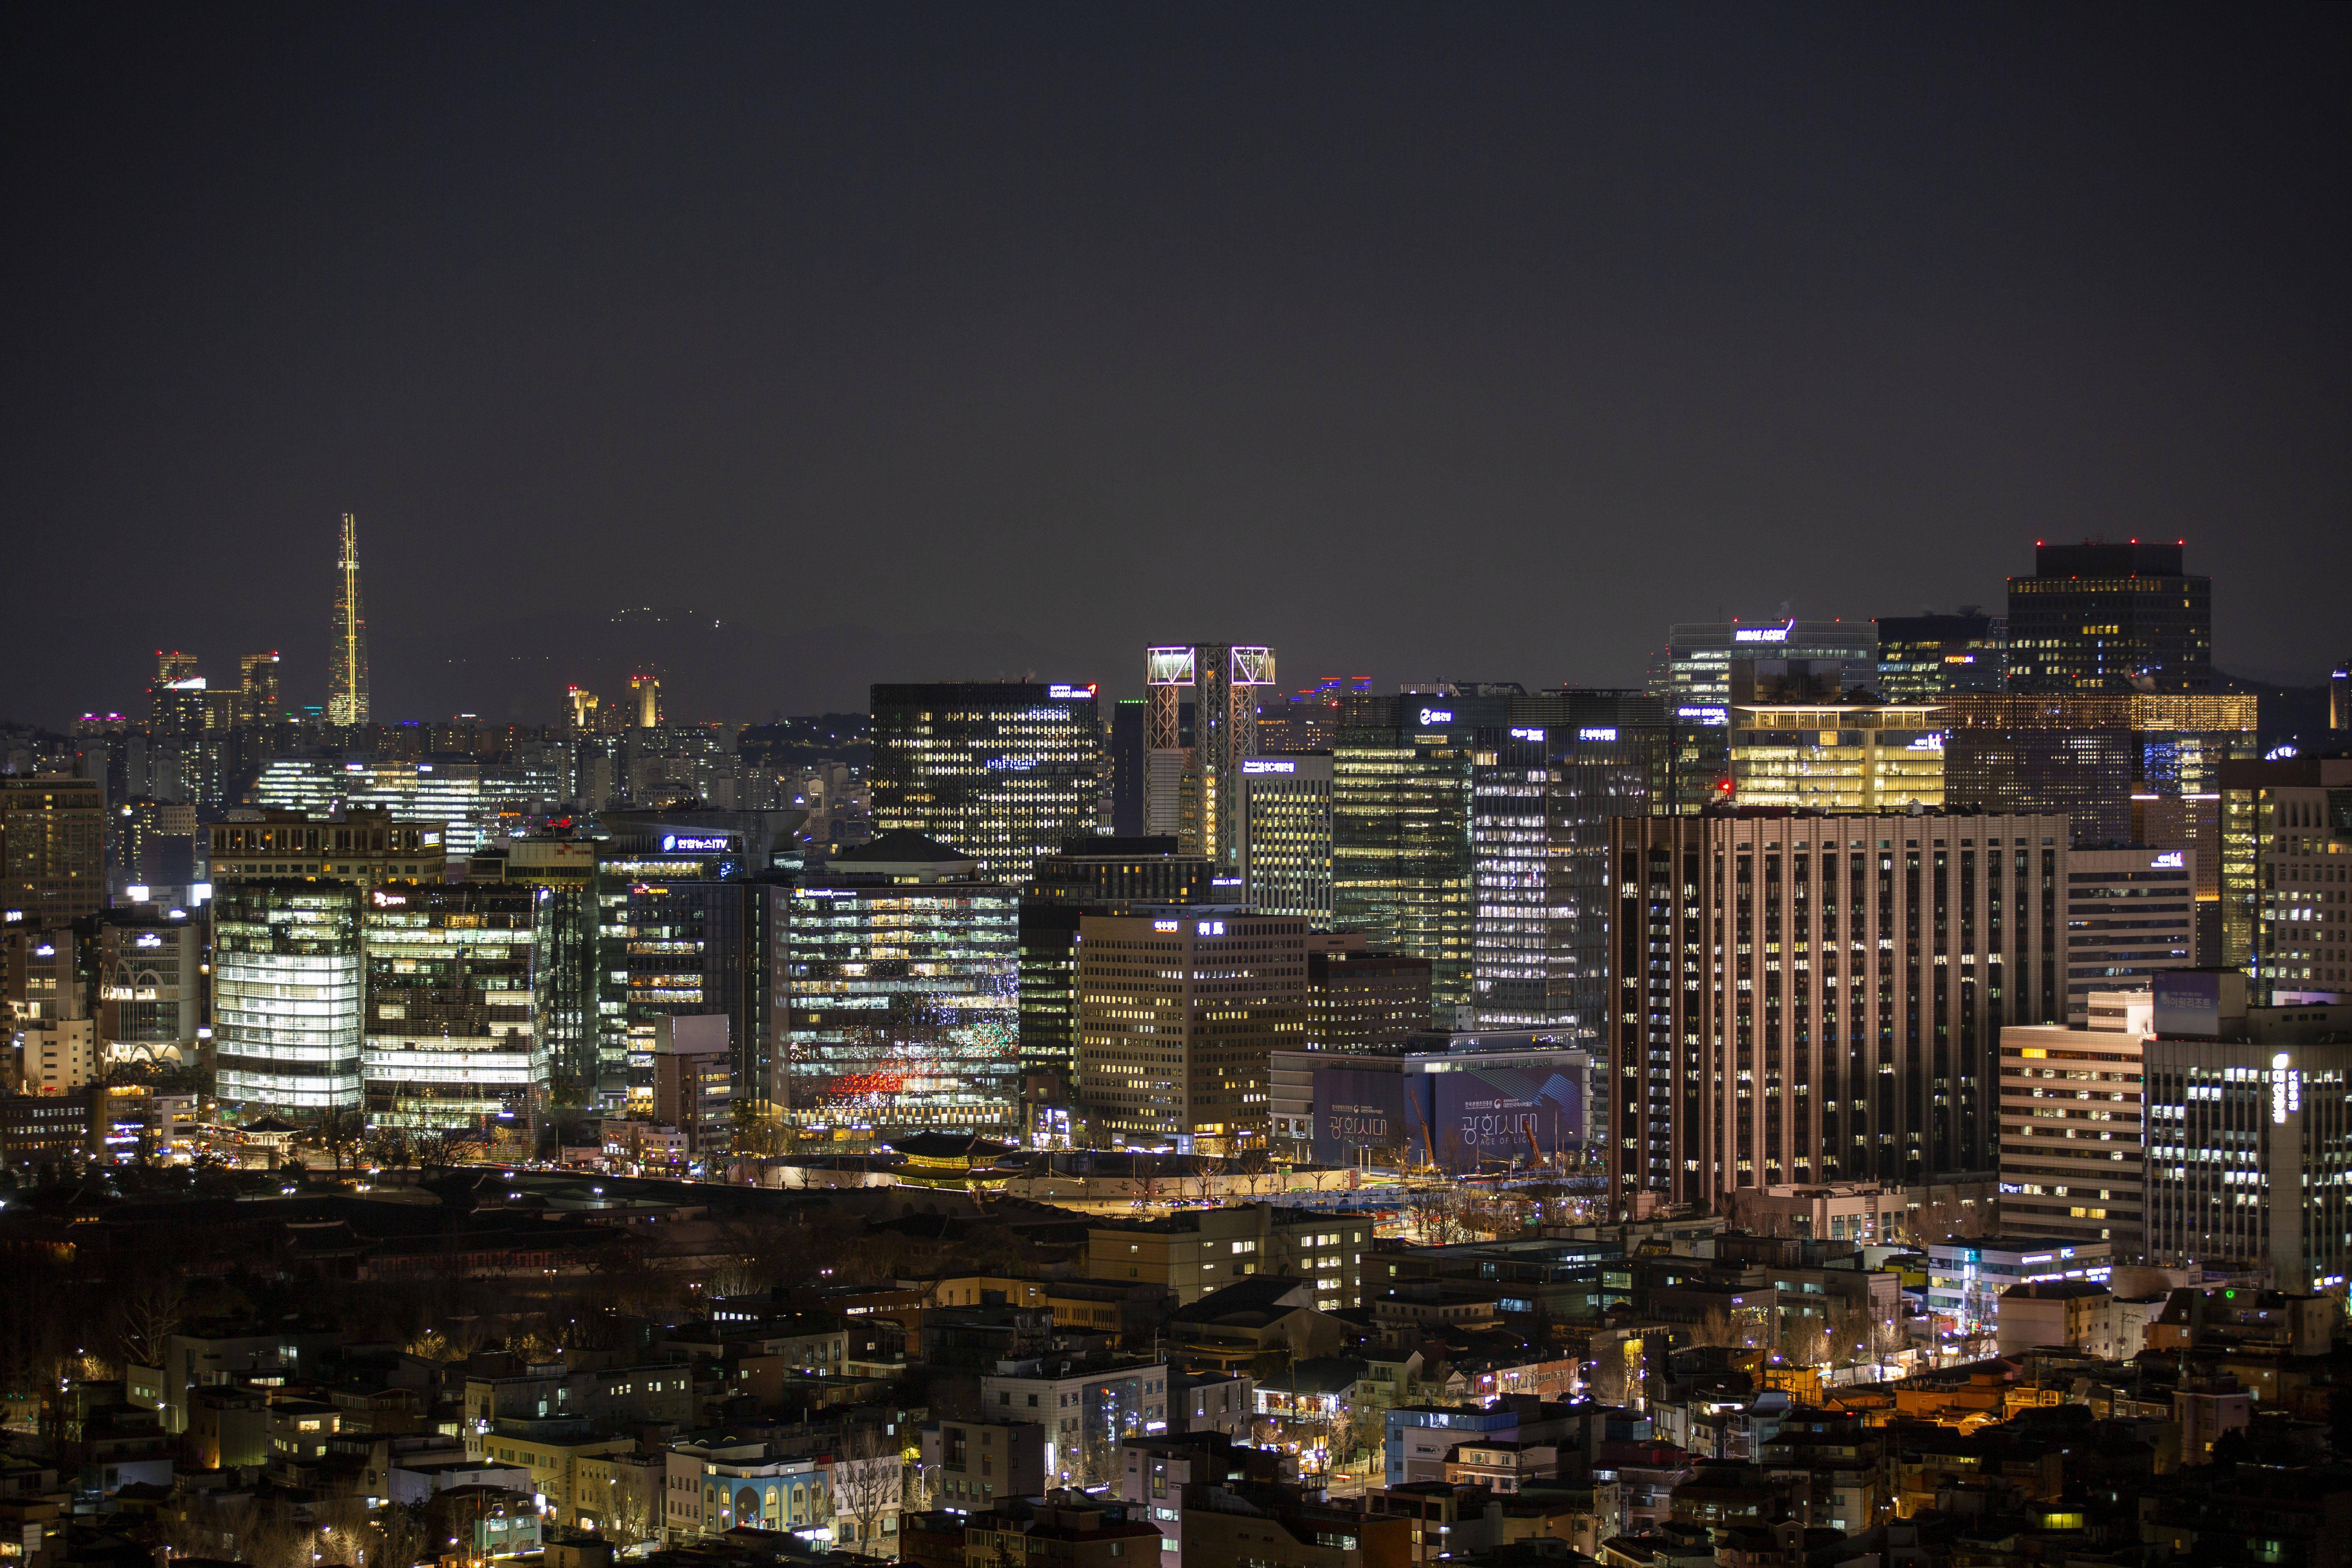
<point>1087,1408</point>
<point>1195,1251</point>
<point>970,1464</point>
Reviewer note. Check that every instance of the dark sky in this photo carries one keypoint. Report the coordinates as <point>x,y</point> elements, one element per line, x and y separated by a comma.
<point>936,342</point>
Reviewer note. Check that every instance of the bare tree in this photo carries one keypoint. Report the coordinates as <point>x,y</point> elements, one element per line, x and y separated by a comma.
<point>869,1483</point>
<point>147,1316</point>
<point>340,1131</point>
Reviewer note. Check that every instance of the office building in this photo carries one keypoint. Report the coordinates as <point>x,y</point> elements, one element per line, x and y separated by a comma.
<point>1699,655</point>
<point>2249,1140</point>
<point>1284,853</point>
<point>1803,998</point>
<point>1358,1000</point>
<point>1306,719</point>
<point>152,997</point>
<point>2339,696</point>
<point>693,1081</point>
<point>1845,758</point>
<point>1099,875</point>
<point>1403,871</point>
<point>452,1006</point>
<point>1178,1012</point>
<point>1927,657</point>
<point>2090,757</point>
<point>688,921</point>
<point>467,800</point>
<point>1123,762</point>
<point>258,699</point>
<point>902,980</point>
<point>2286,873</point>
<point>364,847</point>
<point>2072,1125</point>
<point>1965,1278</point>
<point>1192,784</point>
<point>1004,772</point>
<point>52,847</point>
<point>347,660</point>
<point>155,843</point>
<point>2130,911</point>
<point>1456,1103</point>
<point>2098,618</point>
<point>565,869</point>
<point>287,983</point>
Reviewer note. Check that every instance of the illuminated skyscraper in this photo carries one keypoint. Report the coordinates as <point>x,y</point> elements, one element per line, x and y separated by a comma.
<point>258,697</point>
<point>1193,791</point>
<point>2100,617</point>
<point>286,984</point>
<point>1285,839</point>
<point>347,680</point>
<point>1005,771</point>
<point>454,982</point>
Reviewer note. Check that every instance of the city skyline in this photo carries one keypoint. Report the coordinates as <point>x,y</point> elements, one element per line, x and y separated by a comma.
<point>1518,358</point>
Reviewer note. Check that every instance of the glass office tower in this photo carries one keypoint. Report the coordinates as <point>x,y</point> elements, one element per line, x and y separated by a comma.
<point>286,987</point>
<point>453,1006</point>
<point>2099,617</point>
<point>901,976</point>
<point>1005,771</point>
<point>1403,871</point>
<point>1922,658</point>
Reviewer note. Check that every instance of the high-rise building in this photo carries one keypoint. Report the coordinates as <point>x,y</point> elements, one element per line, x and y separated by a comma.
<point>258,701</point>
<point>2249,1132</point>
<point>1285,864</point>
<point>2091,757</point>
<point>2071,1124</point>
<point>155,841</point>
<point>2131,911</point>
<point>1816,998</point>
<point>347,666</point>
<point>1100,876</point>
<point>2286,875</point>
<point>1696,688</point>
<point>689,920</point>
<point>288,976</point>
<point>2098,618</point>
<point>1123,762</point>
<point>2339,696</point>
<point>1699,654</point>
<point>1403,871</point>
<point>1179,1012</point>
<point>52,847</point>
<point>454,979</point>
<point>645,700</point>
<point>564,869</point>
<point>153,997</point>
<point>1192,789</point>
<point>363,846</point>
<point>1358,1000</point>
<point>1003,770</point>
<point>1927,657</point>
<point>1854,757</point>
<point>902,981</point>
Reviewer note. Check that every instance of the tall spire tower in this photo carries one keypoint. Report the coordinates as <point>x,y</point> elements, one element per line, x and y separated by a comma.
<point>347,683</point>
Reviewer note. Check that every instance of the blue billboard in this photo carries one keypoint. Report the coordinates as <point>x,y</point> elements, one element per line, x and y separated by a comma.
<point>1459,1119</point>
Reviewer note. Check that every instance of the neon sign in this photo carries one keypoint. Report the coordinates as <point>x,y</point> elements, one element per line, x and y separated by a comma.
<point>1763,634</point>
<point>1208,928</point>
<point>1437,716</point>
<point>1596,733</point>
<point>1259,765</point>
<point>693,844</point>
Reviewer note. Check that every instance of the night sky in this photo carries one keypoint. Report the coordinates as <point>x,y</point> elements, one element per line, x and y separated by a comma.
<point>948,342</point>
